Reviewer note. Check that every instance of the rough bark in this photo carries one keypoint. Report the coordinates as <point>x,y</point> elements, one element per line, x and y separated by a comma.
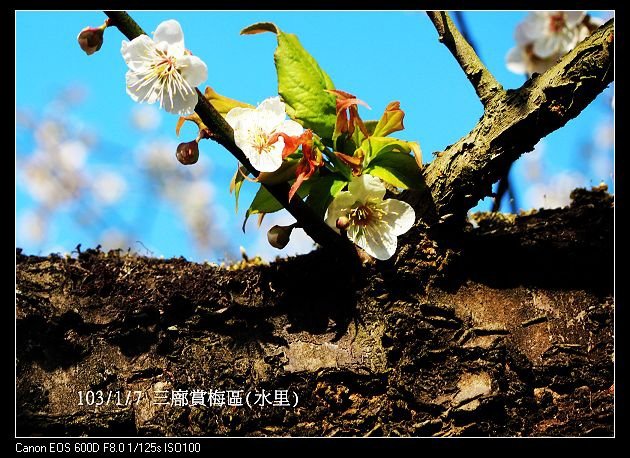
<point>513,121</point>
<point>504,329</point>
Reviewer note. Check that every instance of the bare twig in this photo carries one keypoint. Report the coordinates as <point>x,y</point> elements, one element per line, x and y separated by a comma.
<point>483,81</point>
<point>463,28</point>
<point>505,186</point>
<point>224,135</point>
<point>464,173</point>
<point>504,182</point>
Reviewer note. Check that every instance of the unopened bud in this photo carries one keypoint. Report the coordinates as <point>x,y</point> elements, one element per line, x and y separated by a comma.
<point>343,223</point>
<point>91,39</point>
<point>188,152</point>
<point>279,236</point>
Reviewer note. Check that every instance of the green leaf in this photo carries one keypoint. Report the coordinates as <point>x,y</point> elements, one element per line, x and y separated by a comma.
<point>301,82</point>
<point>223,104</point>
<point>370,126</point>
<point>390,159</point>
<point>323,190</point>
<point>264,202</point>
<point>375,146</point>
<point>286,172</point>
<point>398,169</point>
<point>391,121</point>
<point>237,182</point>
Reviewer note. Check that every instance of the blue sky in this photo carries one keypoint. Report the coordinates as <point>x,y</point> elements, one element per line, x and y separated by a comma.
<point>378,56</point>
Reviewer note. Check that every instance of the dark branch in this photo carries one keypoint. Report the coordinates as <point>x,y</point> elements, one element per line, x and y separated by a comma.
<point>483,81</point>
<point>224,135</point>
<point>464,173</point>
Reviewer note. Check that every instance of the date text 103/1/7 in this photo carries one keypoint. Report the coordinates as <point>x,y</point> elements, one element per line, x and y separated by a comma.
<point>99,398</point>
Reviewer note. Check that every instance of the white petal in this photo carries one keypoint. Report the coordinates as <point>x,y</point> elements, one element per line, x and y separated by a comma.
<point>532,28</point>
<point>378,242</point>
<point>582,32</point>
<point>573,18</point>
<point>171,33</point>
<point>267,161</point>
<point>522,36</point>
<point>399,216</point>
<point>542,65</point>
<point>271,112</point>
<point>147,93</point>
<point>290,128</point>
<point>568,41</point>
<point>515,60</point>
<point>366,186</point>
<point>274,105</point>
<point>181,103</point>
<point>241,122</point>
<point>193,69</point>
<point>546,46</point>
<point>234,116</point>
<point>339,207</point>
<point>138,53</point>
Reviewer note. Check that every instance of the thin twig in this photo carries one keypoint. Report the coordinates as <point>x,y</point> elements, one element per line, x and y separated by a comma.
<point>486,86</point>
<point>315,227</point>
<point>465,171</point>
<point>505,186</point>
<point>463,28</point>
<point>504,182</point>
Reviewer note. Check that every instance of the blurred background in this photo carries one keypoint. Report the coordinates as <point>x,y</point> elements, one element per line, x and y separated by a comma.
<point>93,167</point>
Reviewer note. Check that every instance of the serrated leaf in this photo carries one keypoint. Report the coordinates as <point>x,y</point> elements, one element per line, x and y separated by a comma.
<point>398,169</point>
<point>301,82</point>
<point>390,159</point>
<point>376,146</point>
<point>323,190</point>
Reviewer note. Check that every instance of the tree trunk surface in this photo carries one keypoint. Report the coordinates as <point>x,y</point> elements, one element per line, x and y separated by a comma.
<point>502,329</point>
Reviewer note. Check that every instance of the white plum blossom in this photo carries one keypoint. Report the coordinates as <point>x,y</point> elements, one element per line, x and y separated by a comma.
<point>545,36</point>
<point>373,224</point>
<point>161,69</point>
<point>253,127</point>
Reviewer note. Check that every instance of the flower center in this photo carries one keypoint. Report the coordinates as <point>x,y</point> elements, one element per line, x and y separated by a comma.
<point>366,213</point>
<point>360,216</point>
<point>261,141</point>
<point>163,76</point>
<point>164,68</point>
<point>556,22</point>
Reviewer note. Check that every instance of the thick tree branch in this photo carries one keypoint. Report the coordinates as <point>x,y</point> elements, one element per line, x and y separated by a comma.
<point>223,134</point>
<point>524,354</point>
<point>483,81</point>
<point>464,173</point>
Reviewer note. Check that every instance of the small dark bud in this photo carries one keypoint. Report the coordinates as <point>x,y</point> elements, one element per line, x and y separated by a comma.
<point>343,223</point>
<point>91,39</point>
<point>279,236</point>
<point>188,152</point>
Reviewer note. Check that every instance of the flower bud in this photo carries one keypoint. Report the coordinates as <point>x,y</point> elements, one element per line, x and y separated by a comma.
<point>188,152</point>
<point>342,223</point>
<point>279,236</point>
<point>91,39</point>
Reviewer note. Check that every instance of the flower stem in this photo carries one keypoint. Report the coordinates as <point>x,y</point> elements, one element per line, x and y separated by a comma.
<point>315,227</point>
